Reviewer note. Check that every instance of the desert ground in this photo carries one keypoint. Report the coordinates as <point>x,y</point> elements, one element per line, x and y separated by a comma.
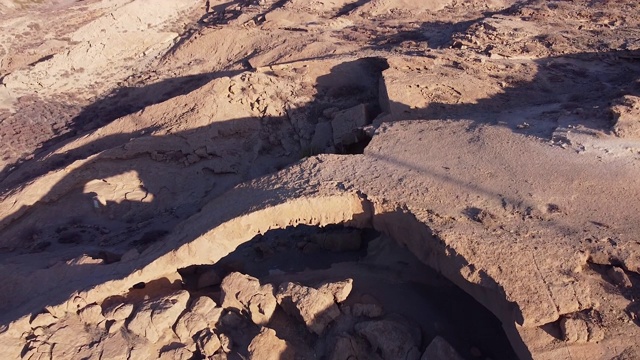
<point>320,179</point>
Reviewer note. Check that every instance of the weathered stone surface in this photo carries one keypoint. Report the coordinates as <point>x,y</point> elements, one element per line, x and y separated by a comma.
<point>267,346</point>
<point>43,320</point>
<point>244,293</point>
<point>574,330</point>
<point>392,339</point>
<point>627,117</point>
<point>154,318</point>
<point>91,314</point>
<point>340,290</point>
<point>317,309</point>
<point>208,342</point>
<point>116,347</point>
<point>176,354</point>
<point>118,312</point>
<point>322,137</point>
<point>440,349</point>
<point>619,277</point>
<point>345,123</point>
<point>202,314</point>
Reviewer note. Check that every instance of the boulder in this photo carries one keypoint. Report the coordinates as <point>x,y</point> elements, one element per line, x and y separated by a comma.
<point>208,342</point>
<point>156,317</point>
<point>627,117</point>
<point>574,330</point>
<point>176,354</point>
<point>346,122</point>
<point>340,290</point>
<point>439,349</point>
<point>202,314</point>
<point>316,308</point>
<point>244,293</point>
<point>268,346</point>
<point>393,340</point>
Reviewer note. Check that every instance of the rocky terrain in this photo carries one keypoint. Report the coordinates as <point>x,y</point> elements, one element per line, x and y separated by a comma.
<point>337,179</point>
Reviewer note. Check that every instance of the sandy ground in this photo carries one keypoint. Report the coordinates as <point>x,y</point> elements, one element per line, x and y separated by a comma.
<point>498,141</point>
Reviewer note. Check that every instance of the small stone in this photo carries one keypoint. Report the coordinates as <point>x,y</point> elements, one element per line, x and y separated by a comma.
<point>118,312</point>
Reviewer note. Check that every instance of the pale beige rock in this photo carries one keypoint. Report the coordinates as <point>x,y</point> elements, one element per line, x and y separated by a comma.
<point>340,290</point>
<point>43,320</point>
<point>619,277</point>
<point>345,123</point>
<point>115,326</point>
<point>208,342</point>
<point>267,346</point>
<point>440,349</point>
<point>391,338</point>
<point>116,347</point>
<point>244,293</point>
<point>155,318</point>
<point>627,117</point>
<point>348,347</point>
<point>317,309</point>
<point>91,314</point>
<point>225,342</point>
<point>202,314</point>
<point>118,312</point>
<point>176,354</point>
<point>574,330</point>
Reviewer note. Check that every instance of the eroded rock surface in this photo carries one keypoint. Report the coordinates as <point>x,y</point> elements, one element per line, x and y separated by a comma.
<point>498,142</point>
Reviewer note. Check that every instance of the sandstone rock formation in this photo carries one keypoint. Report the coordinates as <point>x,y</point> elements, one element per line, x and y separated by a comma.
<point>488,150</point>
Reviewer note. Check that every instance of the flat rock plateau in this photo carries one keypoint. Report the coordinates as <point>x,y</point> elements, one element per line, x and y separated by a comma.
<point>320,179</point>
